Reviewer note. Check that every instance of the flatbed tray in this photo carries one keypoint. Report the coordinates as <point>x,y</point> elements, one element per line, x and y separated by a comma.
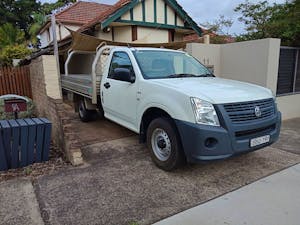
<point>80,84</point>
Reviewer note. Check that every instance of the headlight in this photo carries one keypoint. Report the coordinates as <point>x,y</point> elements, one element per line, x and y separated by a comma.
<point>205,112</point>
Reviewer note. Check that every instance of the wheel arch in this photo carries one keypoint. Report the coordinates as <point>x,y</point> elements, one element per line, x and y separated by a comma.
<point>149,115</point>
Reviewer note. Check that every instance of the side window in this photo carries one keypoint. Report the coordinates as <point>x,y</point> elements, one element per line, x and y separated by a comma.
<point>119,60</point>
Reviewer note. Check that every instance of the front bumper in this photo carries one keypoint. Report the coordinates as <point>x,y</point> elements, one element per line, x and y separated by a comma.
<point>203,142</point>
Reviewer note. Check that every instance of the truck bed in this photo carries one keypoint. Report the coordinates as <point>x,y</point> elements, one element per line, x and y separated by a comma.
<point>80,84</point>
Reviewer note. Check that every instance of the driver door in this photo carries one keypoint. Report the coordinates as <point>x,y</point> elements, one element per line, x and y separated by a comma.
<point>119,97</point>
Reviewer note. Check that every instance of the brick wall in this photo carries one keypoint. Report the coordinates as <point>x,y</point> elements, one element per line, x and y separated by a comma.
<point>47,98</point>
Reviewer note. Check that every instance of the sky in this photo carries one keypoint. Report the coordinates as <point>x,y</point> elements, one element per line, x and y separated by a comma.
<point>203,11</point>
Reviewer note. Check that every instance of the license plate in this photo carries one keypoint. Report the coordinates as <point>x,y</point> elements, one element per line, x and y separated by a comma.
<point>259,141</point>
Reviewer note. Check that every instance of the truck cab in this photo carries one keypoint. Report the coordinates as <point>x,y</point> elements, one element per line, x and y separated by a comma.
<point>177,106</point>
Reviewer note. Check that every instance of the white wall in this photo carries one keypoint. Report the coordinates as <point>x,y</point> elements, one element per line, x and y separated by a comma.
<point>44,39</point>
<point>251,61</point>
<point>46,36</point>
<point>152,35</point>
<point>64,32</point>
<point>51,76</point>
<point>138,12</point>
<point>123,34</point>
<point>149,8</point>
<point>289,106</point>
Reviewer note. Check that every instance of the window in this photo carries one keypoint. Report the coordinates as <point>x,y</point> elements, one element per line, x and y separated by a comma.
<point>119,60</point>
<point>163,64</point>
<point>289,71</point>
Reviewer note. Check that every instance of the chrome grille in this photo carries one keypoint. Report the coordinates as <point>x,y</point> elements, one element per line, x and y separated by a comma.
<point>245,111</point>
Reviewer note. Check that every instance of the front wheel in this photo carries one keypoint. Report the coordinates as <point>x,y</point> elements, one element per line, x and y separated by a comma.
<point>164,144</point>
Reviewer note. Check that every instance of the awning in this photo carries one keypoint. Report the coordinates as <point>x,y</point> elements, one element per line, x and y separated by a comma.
<point>84,42</point>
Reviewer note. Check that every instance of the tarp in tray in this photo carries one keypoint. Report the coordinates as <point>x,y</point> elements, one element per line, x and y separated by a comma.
<point>83,42</point>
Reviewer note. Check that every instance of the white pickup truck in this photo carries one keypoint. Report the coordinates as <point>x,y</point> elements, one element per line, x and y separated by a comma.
<point>182,111</point>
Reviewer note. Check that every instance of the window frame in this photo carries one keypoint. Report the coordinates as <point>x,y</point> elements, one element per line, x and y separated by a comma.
<point>111,61</point>
<point>148,78</point>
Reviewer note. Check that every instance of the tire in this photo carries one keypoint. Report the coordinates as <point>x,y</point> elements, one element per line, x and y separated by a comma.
<point>164,144</point>
<point>86,115</point>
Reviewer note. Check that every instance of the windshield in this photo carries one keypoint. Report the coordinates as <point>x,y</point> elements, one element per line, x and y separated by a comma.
<point>166,64</point>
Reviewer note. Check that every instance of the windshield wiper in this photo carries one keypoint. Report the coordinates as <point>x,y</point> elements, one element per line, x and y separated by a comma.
<point>182,75</point>
<point>189,75</point>
<point>206,75</point>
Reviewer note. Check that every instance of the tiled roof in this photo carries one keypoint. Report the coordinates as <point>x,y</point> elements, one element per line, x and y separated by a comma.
<point>82,12</point>
<point>106,13</point>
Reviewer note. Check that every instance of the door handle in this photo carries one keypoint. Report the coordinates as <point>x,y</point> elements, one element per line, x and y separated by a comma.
<point>107,85</point>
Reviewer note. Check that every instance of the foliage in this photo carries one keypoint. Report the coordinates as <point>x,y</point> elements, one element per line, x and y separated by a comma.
<point>263,20</point>
<point>19,13</point>
<point>220,39</point>
<point>47,8</point>
<point>11,52</point>
<point>10,35</point>
<point>26,15</point>
<point>219,25</point>
<point>39,20</point>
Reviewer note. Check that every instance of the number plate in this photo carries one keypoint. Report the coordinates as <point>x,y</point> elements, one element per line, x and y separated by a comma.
<point>260,140</point>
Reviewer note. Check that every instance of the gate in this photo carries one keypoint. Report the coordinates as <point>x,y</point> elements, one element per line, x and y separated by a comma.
<point>289,71</point>
<point>15,80</point>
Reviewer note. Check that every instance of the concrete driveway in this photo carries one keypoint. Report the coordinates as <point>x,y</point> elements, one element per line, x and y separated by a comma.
<point>119,184</point>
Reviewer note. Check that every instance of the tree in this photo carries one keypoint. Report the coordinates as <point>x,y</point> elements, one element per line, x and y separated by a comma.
<point>10,35</point>
<point>47,8</point>
<point>19,13</point>
<point>11,52</point>
<point>218,30</point>
<point>39,20</point>
<point>219,25</point>
<point>263,20</point>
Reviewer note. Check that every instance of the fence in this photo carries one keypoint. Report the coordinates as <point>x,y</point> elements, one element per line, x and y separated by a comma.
<point>23,142</point>
<point>15,80</point>
<point>289,71</point>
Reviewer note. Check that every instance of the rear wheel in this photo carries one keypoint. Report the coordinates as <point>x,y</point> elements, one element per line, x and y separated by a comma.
<point>86,115</point>
<point>164,144</point>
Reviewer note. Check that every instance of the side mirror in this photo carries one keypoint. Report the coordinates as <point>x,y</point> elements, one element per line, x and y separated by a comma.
<point>124,74</point>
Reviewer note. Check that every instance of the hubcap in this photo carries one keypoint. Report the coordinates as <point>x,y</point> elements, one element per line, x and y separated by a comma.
<point>161,144</point>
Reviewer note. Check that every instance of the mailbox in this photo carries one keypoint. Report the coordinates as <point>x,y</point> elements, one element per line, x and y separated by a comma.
<point>15,106</point>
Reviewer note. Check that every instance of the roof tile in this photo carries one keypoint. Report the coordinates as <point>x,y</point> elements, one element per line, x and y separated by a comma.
<point>82,12</point>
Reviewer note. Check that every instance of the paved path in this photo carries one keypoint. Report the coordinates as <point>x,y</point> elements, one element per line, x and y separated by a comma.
<point>272,200</point>
<point>18,204</point>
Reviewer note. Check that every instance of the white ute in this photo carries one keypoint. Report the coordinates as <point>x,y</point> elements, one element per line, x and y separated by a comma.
<point>182,111</point>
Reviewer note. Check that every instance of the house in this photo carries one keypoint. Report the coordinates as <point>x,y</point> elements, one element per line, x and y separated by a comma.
<point>73,17</point>
<point>144,21</point>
